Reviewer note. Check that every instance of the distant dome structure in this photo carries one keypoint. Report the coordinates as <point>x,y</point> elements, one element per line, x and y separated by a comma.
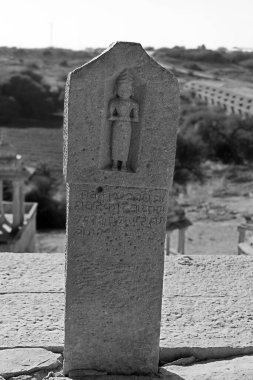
<point>17,218</point>
<point>176,220</point>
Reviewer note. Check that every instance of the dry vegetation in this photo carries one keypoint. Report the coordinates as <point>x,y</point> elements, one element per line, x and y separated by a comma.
<point>204,135</point>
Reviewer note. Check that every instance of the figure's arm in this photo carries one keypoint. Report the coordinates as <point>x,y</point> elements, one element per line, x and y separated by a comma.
<point>112,112</point>
<point>135,112</point>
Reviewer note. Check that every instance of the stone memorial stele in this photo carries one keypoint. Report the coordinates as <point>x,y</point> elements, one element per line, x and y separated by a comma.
<point>121,113</point>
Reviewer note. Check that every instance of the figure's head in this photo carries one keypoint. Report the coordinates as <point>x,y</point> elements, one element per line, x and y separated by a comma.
<point>124,85</point>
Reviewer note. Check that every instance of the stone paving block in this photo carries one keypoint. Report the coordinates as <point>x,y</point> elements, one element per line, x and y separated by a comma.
<point>33,320</point>
<point>233,369</point>
<point>208,276</point>
<point>207,305</point>
<point>207,321</point>
<point>18,361</point>
<point>31,272</point>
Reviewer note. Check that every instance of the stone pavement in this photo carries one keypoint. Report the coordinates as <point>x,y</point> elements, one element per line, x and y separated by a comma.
<point>207,304</point>
<point>23,361</point>
<point>240,368</point>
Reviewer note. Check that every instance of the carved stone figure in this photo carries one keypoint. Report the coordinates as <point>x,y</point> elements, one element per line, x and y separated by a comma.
<point>123,111</point>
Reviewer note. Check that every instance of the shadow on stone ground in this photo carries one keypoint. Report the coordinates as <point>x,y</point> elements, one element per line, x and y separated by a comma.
<point>41,364</point>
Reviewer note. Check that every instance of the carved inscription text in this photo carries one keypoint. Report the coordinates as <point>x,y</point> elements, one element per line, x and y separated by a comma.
<point>99,210</point>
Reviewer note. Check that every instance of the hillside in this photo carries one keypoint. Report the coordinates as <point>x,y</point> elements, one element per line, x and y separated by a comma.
<point>39,145</point>
<point>54,64</point>
<point>50,66</point>
<point>203,63</point>
<point>215,203</point>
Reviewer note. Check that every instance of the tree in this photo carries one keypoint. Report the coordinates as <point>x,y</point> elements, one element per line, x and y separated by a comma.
<point>9,109</point>
<point>33,97</point>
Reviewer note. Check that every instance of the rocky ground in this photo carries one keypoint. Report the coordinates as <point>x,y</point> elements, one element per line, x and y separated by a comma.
<point>206,330</point>
<point>38,364</point>
<point>216,208</point>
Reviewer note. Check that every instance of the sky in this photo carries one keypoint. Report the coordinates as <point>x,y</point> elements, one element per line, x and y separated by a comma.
<point>78,24</point>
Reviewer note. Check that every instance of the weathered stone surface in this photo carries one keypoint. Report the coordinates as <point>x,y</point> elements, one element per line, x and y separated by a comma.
<point>120,134</point>
<point>197,329</point>
<point>234,369</point>
<point>21,377</point>
<point>184,361</point>
<point>87,135</point>
<point>29,272</point>
<point>207,307</point>
<point>169,376</point>
<point>32,320</point>
<point>86,372</point>
<point>40,375</point>
<point>18,361</point>
<point>210,276</point>
<point>115,271</point>
<point>195,275</point>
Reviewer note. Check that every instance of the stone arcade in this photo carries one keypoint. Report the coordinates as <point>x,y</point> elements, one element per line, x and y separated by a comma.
<point>121,117</point>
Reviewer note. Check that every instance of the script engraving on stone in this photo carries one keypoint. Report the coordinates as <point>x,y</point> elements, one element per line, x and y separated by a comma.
<point>98,211</point>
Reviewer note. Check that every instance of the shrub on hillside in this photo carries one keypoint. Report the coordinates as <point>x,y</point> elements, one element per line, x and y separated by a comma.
<point>206,134</point>
<point>64,63</point>
<point>9,109</point>
<point>226,138</point>
<point>179,52</point>
<point>33,97</point>
<point>248,63</point>
<point>56,95</point>
<point>221,55</point>
<point>241,137</point>
<point>239,55</point>
<point>189,155</point>
<point>33,65</point>
<point>192,66</point>
<point>34,75</point>
<point>48,52</point>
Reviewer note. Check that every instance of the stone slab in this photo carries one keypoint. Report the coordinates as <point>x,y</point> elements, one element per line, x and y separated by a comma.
<point>240,368</point>
<point>208,276</point>
<point>120,127</point>
<point>29,272</point>
<point>18,361</point>
<point>168,376</point>
<point>87,130</point>
<point>32,320</point>
<point>184,275</point>
<point>115,265</point>
<point>207,305</point>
